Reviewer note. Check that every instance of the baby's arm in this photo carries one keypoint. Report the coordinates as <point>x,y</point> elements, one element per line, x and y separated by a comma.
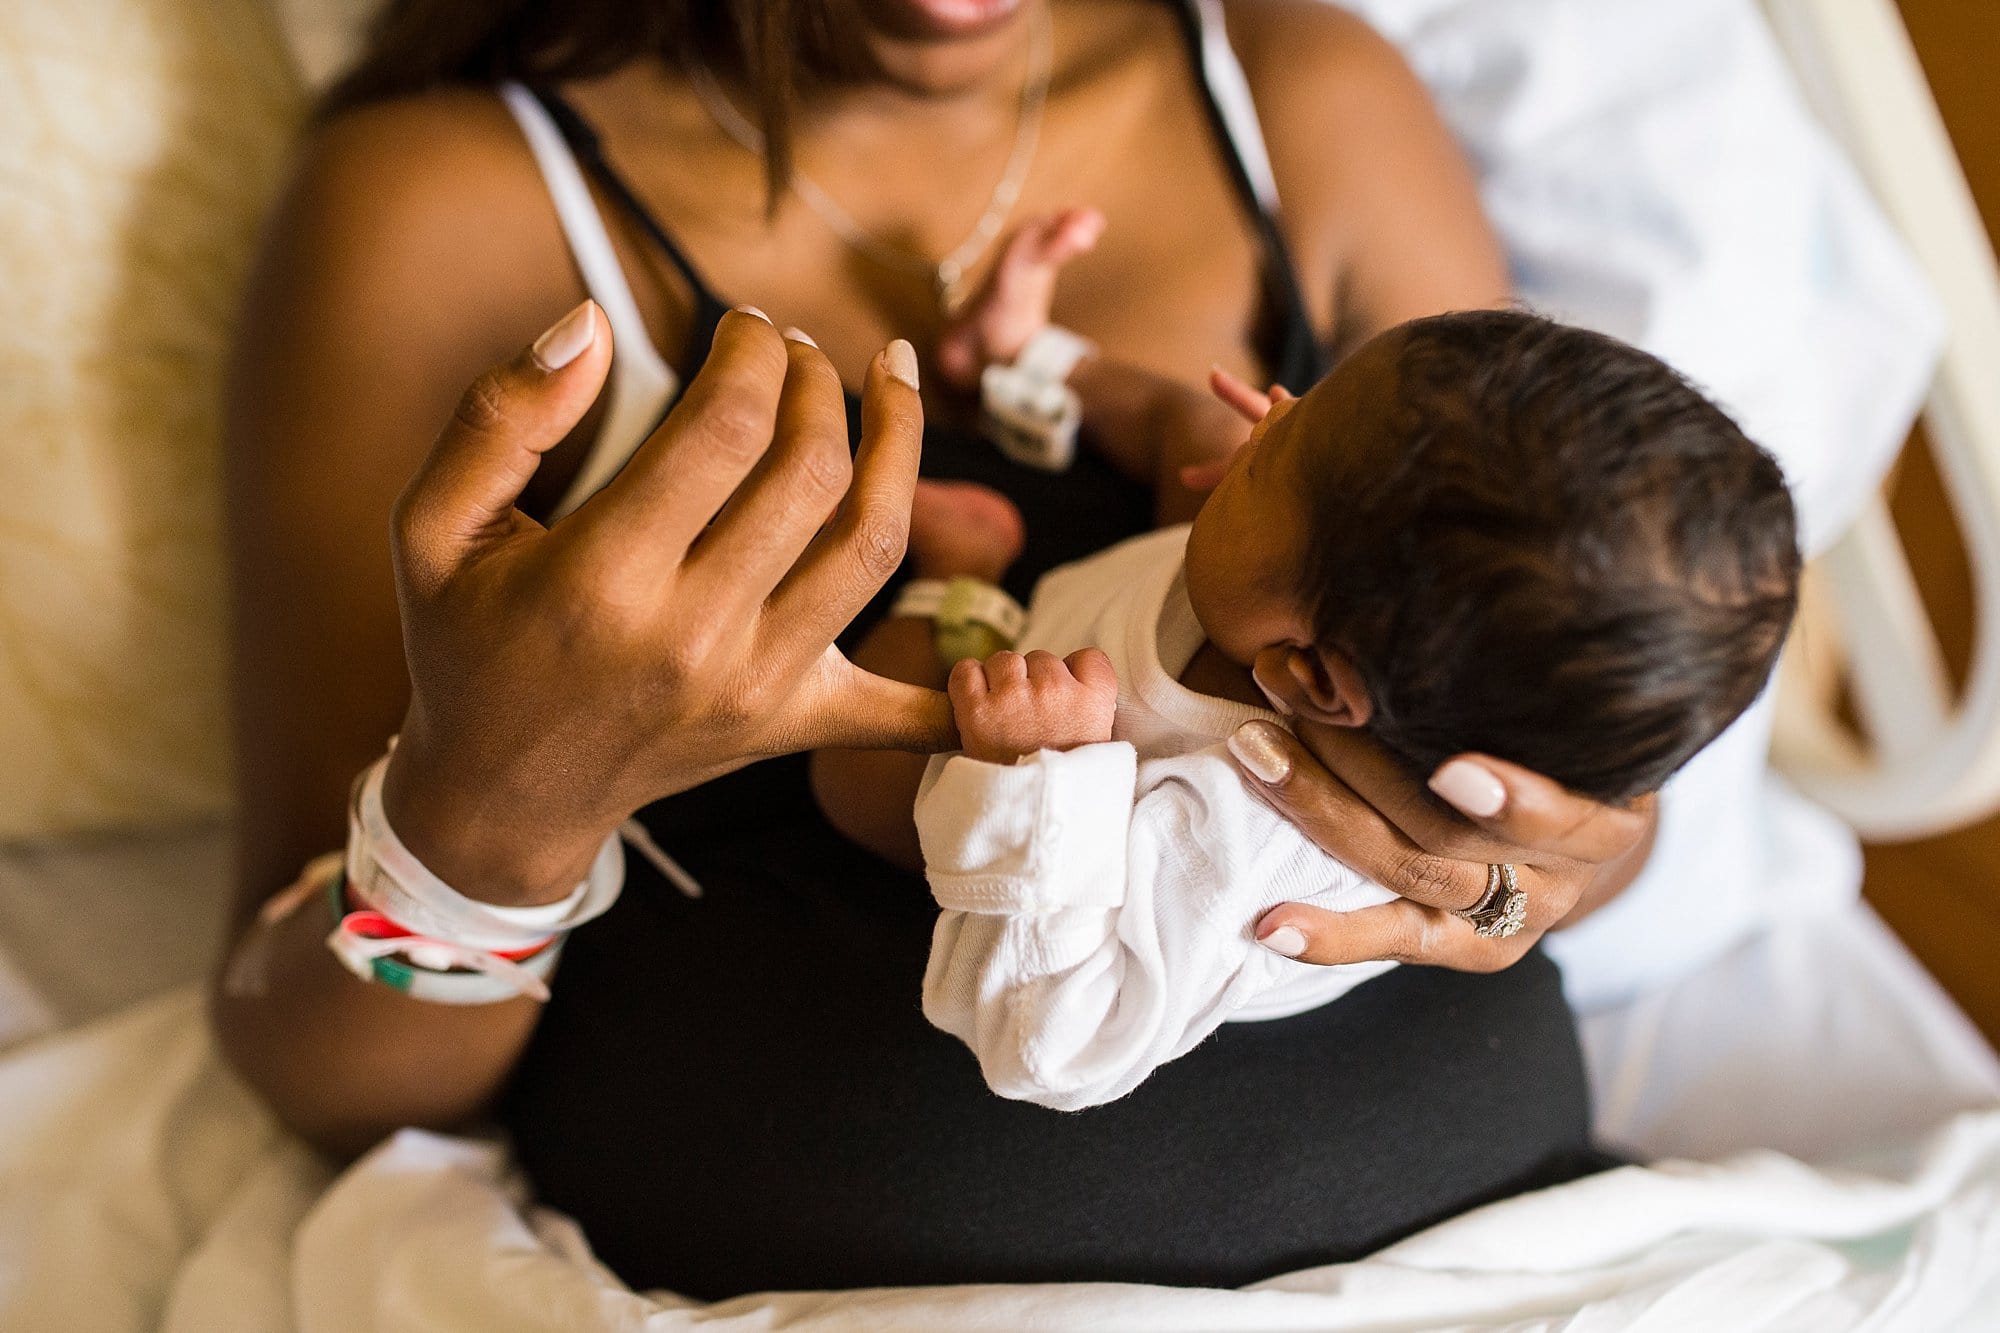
<point>956,528</point>
<point>1148,426</point>
<point>1097,911</point>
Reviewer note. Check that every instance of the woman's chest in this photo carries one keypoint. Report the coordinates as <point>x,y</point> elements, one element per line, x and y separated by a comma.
<point>1174,286</point>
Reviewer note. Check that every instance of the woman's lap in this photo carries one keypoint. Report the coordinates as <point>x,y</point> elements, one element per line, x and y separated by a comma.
<point>740,1093</point>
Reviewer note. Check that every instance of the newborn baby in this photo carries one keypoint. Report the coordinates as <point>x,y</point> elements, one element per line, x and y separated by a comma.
<point>1482,532</point>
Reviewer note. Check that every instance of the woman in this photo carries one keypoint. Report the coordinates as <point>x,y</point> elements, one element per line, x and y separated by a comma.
<point>737,1092</point>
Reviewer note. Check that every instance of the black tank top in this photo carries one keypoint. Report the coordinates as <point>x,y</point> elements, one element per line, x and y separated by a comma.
<point>739,1092</point>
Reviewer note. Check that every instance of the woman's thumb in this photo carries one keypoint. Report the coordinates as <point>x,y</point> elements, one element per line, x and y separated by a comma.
<point>503,424</point>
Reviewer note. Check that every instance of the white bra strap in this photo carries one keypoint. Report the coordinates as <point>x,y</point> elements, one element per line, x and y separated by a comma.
<point>1223,74</point>
<point>642,383</point>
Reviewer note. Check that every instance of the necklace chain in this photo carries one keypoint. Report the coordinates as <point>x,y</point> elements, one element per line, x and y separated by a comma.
<point>947,275</point>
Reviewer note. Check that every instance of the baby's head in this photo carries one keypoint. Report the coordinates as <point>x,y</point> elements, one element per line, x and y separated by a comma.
<point>1489,532</point>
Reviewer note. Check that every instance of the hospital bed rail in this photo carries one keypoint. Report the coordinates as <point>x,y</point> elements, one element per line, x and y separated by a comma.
<point>1925,759</point>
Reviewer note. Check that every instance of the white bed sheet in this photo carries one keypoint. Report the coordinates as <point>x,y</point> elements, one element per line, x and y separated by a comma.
<point>141,1187</point>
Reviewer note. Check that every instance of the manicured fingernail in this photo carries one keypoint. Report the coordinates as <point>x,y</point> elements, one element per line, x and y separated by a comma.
<point>1257,747</point>
<point>753,310</point>
<point>1278,706</point>
<point>567,338</point>
<point>900,360</point>
<point>1271,696</point>
<point>1469,787</point>
<point>1289,941</point>
<point>800,336</point>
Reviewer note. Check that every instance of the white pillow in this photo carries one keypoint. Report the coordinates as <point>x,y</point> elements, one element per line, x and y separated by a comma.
<point>140,142</point>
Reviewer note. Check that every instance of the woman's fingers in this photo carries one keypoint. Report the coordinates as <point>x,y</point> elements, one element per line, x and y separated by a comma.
<point>1331,813</point>
<point>787,497</point>
<point>854,555</point>
<point>687,470</point>
<point>1519,806</point>
<point>506,421</point>
<point>1401,932</point>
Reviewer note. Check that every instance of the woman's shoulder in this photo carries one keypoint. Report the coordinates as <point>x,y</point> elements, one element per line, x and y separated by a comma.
<point>1300,51</point>
<point>412,247</point>
<point>1370,175</point>
<point>422,218</point>
<point>444,174</point>
<point>1330,90</point>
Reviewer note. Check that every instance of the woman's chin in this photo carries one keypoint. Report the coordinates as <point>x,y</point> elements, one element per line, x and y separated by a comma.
<point>945,20</point>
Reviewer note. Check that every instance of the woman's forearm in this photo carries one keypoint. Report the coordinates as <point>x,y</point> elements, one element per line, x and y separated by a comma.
<point>344,1062</point>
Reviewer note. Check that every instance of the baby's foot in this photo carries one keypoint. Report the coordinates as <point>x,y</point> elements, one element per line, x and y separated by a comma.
<point>962,528</point>
<point>1013,304</point>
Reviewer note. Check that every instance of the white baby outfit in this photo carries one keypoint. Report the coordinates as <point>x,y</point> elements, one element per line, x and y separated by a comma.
<point>1099,902</point>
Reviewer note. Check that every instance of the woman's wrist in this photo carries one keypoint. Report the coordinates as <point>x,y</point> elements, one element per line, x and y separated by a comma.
<point>494,855</point>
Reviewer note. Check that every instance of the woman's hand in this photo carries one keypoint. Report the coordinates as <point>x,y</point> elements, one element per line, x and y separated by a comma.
<point>678,625</point>
<point>1570,854</point>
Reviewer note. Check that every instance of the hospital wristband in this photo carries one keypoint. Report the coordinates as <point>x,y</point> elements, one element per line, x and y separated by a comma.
<point>1030,412</point>
<point>387,877</point>
<point>971,618</point>
<point>399,925</point>
<point>376,949</point>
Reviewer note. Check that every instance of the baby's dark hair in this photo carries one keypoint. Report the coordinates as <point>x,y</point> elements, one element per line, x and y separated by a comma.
<point>1575,561</point>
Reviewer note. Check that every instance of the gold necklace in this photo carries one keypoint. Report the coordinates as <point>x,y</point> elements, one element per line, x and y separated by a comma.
<point>947,275</point>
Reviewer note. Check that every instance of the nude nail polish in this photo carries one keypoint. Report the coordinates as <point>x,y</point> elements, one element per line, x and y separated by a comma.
<point>566,339</point>
<point>753,311</point>
<point>1470,788</point>
<point>900,360</point>
<point>1288,941</point>
<point>1261,753</point>
<point>800,336</point>
<point>1271,696</point>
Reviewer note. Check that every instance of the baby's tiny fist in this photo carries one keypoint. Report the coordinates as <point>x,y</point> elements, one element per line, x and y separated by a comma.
<point>1012,705</point>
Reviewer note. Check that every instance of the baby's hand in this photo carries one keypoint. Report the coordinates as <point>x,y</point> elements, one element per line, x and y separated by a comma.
<point>1010,705</point>
<point>1014,304</point>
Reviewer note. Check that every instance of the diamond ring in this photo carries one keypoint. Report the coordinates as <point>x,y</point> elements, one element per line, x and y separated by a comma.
<point>1504,908</point>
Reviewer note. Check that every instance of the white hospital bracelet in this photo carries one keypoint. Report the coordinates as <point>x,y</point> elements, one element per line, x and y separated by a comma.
<point>971,618</point>
<point>385,876</point>
<point>1053,351</point>
<point>1031,413</point>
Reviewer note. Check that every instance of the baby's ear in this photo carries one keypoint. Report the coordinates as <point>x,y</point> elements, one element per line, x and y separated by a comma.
<point>1317,684</point>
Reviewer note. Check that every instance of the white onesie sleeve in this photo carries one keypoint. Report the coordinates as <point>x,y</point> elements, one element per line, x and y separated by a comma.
<point>1098,914</point>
